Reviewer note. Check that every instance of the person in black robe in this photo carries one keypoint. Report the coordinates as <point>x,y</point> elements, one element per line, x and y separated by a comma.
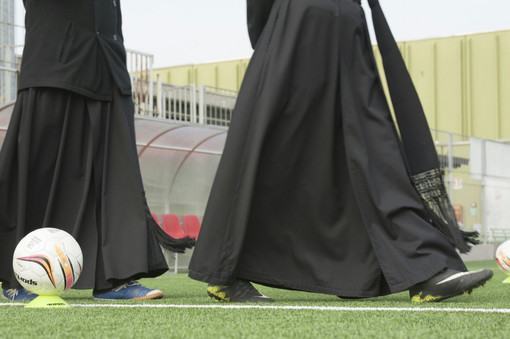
<point>313,190</point>
<point>69,158</point>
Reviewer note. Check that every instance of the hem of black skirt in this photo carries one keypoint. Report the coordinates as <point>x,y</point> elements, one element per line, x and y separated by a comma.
<point>269,281</point>
<point>114,282</point>
<point>281,284</point>
<point>277,282</point>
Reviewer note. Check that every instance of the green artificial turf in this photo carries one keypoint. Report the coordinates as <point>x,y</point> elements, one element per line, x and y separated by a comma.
<point>172,322</point>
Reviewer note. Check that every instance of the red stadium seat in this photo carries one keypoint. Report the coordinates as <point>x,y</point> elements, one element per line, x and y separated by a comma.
<point>172,226</point>
<point>156,218</point>
<point>191,225</point>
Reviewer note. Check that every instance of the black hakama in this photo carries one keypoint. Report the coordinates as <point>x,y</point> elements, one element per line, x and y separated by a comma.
<point>312,191</point>
<point>70,162</point>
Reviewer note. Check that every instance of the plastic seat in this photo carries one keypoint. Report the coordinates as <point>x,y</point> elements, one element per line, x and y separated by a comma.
<point>191,224</point>
<point>172,226</point>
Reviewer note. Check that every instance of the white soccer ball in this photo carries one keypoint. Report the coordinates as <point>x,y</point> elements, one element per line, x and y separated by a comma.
<point>503,257</point>
<point>47,261</point>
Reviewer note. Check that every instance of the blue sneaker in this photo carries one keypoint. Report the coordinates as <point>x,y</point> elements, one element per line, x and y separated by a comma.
<point>18,294</point>
<point>132,290</point>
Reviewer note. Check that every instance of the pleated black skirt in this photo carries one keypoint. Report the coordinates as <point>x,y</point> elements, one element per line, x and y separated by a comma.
<point>312,191</point>
<point>71,163</point>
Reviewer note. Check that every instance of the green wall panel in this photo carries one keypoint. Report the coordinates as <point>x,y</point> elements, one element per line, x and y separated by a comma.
<point>504,83</point>
<point>420,58</point>
<point>448,84</point>
<point>483,85</point>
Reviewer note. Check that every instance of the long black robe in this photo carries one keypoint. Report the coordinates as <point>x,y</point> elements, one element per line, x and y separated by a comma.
<point>70,162</point>
<point>69,157</point>
<point>312,191</point>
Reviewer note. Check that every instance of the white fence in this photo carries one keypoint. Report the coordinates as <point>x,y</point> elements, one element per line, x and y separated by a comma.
<point>216,105</point>
<point>178,103</point>
<point>203,105</point>
<point>206,105</point>
<point>140,67</point>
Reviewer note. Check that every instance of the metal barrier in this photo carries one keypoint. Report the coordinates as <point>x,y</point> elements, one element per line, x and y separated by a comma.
<point>216,105</point>
<point>206,106</point>
<point>140,65</point>
<point>177,103</point>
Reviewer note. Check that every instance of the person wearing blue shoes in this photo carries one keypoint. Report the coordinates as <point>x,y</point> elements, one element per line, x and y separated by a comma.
<point>69,156</point>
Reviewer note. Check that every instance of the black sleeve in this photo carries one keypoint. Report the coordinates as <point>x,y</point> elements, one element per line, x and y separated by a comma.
<point>258,13</point>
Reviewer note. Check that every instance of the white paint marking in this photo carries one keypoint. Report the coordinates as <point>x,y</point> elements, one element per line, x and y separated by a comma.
<point>296,308</point>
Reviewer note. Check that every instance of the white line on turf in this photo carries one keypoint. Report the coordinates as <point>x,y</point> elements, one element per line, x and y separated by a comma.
<point>296,308</point>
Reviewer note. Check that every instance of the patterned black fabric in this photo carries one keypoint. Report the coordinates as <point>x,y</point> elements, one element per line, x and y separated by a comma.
<point>417,143</point>
<point>430,186</point>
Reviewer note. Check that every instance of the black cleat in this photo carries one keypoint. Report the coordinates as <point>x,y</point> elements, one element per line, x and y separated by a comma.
<point>240,291</point>
<point>448,283</point>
